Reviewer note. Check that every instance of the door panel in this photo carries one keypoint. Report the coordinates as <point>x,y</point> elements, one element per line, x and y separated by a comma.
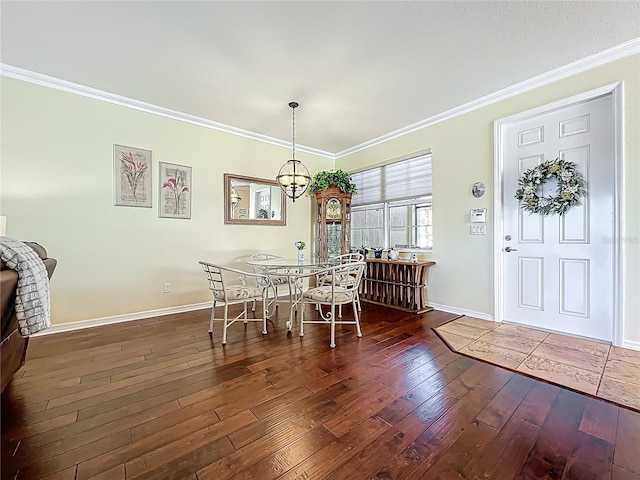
<point>574,287</point>
<point>574,225</point>
<point>531,282</point>
<point>530,227</point>
<point>559,274</point>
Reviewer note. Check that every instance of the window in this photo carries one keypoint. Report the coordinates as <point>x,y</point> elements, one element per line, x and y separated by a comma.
<point>393,205</point>
<point>410,224</point>
<point>367,226</point>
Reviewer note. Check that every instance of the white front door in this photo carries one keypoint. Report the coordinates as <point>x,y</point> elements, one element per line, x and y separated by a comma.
<point>559,274</point>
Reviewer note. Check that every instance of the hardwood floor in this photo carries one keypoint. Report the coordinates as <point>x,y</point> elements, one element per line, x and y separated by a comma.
<point>157,399</point>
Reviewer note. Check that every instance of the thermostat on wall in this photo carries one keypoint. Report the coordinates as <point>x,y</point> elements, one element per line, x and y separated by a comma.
<point>478,215</point>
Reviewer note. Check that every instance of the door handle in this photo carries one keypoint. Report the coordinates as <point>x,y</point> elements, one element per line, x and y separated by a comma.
<point>509,249</point>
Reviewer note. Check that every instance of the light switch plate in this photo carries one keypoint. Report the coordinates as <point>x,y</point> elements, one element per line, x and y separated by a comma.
<point>478,230</point>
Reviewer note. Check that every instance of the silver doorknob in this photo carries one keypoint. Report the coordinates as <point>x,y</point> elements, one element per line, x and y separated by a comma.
<point>509,249</point>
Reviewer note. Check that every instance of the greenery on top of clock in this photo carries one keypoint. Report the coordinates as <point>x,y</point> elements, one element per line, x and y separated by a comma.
<point>339,178</point>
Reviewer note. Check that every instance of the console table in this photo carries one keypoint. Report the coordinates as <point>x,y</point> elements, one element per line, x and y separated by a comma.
<point>396,284</point>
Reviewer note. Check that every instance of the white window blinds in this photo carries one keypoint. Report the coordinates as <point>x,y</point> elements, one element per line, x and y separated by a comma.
<point>401,180</point>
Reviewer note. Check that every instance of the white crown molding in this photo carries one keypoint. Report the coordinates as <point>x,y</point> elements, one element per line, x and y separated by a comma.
<point>617,52</point>
<point>77,89</point>
<point>623,50</point>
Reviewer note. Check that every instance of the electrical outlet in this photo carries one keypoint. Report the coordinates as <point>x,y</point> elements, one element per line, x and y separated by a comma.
<point>167,288</point>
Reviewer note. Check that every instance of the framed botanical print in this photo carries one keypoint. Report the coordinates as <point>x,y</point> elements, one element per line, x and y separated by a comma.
<point>175,191</point>
<point>132,176</point>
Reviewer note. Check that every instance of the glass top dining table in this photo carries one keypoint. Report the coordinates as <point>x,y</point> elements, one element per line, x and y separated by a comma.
<point>294,263</point>
<point>293,270</point>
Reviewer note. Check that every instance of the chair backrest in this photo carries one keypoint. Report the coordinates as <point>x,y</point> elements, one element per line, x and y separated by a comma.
<point>215,278</point>
<point>260,269</point>
<point>346,275</point>
<point>351,257</point>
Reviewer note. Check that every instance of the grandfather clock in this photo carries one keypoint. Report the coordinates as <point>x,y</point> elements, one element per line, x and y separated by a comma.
<point>333,219</point>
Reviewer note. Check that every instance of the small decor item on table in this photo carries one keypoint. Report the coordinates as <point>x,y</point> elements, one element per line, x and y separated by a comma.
<point>571,186</point>
<point>300,247</point>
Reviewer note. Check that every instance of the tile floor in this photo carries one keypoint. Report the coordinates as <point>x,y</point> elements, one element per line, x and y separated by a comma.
<point>599,369</point>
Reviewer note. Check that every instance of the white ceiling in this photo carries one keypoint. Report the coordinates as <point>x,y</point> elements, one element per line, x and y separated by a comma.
<point>359,69</point>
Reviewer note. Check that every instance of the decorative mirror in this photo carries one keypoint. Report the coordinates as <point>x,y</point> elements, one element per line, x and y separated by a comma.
<point>253,201</point>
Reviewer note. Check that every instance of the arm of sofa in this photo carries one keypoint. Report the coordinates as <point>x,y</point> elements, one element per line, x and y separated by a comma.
<point>49,263</point>
<point>13,348</point>
<point>8,283</point>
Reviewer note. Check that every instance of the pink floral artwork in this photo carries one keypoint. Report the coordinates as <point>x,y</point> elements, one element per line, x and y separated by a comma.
<point>175,191</point>
<point>132,172</point>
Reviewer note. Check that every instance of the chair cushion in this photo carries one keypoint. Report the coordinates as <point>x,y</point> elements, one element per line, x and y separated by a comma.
<point>327,279</point>
<point>341,278</point>
<point>275,280</point>
<point>323,294</point>
<point>238,292</point>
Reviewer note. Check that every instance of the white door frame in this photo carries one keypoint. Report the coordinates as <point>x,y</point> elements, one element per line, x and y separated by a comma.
<point>499,126</point>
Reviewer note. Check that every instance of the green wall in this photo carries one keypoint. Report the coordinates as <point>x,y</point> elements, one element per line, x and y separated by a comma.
<point>57,189</point>
<point>463,153</point>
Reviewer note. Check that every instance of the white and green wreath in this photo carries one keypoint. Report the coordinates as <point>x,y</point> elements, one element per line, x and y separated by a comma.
<point>571,186</point>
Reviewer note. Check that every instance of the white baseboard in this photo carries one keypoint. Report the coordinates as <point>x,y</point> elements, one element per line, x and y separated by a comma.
<point>631,344</point>
<point>97,322</point>
<point>127,317</point>
<point>462,311</point>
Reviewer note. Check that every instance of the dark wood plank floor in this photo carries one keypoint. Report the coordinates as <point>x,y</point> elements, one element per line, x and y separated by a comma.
<point>158,399</point>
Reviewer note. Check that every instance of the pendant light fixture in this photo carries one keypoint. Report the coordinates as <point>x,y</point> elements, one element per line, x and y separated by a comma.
<point>293,177</point>
<point>235,199</point>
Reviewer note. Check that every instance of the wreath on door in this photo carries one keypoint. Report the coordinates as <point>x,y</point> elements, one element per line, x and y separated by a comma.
<point>571,187</point>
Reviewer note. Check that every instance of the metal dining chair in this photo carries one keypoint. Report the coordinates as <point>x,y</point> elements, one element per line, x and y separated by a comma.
<point>341,289</point>
<point>228,293</point>
<point>342,259</point>
<point>276,280</point>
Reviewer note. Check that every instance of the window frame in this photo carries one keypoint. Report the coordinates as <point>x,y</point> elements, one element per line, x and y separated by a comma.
<point>423,201</point>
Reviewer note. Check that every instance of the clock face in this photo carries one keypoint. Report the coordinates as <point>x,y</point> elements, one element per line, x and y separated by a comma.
<point>334,208</point>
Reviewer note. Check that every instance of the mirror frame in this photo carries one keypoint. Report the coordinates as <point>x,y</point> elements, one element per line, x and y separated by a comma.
<point>228,177</point>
